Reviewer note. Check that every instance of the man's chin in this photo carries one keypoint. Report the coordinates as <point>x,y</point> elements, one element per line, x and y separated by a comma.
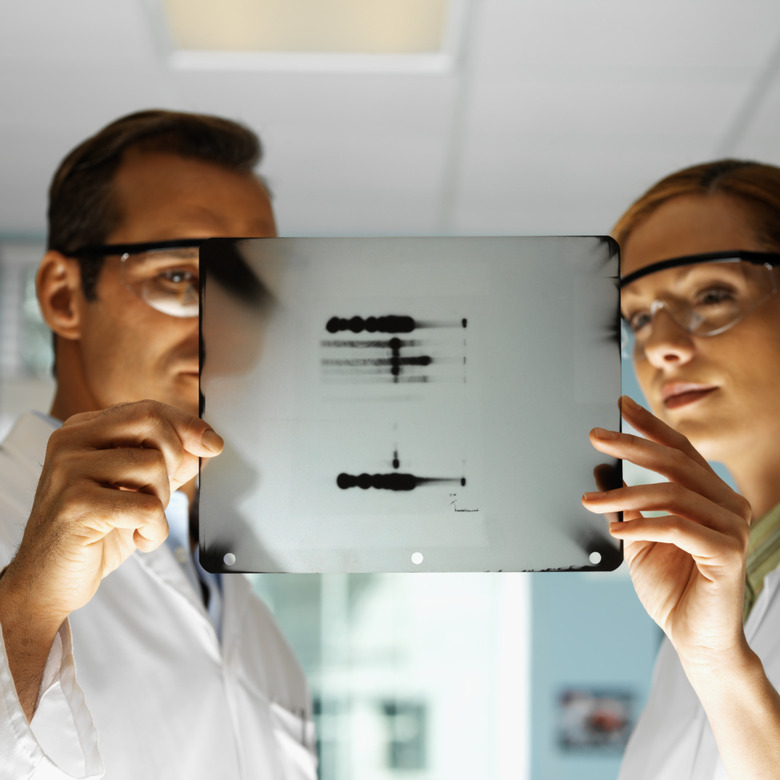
<point>185,394</point>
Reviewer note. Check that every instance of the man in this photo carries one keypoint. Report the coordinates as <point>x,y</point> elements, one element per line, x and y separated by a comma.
<point>181,676</point>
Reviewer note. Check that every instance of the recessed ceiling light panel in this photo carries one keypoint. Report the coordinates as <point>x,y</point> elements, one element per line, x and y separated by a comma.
<point>384,27</point>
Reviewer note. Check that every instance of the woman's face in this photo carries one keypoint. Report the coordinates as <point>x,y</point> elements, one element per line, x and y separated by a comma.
<point>721,391</point>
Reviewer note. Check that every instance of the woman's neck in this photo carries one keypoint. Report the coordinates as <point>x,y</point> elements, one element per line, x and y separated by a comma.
<point>759,483</point>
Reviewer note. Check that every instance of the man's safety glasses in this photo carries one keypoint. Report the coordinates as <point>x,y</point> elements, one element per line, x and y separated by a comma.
<point>163,274</point>
<point>704,294</point>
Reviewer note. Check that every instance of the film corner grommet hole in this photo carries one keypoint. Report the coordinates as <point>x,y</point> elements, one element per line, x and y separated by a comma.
<point>417,558</point>
<point>595,558</point>
<point>229,559</point>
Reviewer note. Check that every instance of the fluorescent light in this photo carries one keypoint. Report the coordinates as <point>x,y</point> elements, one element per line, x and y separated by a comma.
<point>384,27</point>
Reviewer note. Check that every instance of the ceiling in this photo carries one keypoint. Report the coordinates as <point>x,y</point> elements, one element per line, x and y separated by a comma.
<point>549,116</point>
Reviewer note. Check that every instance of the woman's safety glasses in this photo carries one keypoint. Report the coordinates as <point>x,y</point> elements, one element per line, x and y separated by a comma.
<point>163,274</point>
<point>704,294</point>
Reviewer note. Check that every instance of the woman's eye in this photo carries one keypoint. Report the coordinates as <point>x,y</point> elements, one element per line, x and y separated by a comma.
<point>639,320</point>
<point>713,296</point>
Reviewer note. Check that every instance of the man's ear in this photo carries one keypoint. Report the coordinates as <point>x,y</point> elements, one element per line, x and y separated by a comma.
<point>58,285</point>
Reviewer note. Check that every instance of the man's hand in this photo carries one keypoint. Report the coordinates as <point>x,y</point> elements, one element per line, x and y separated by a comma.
<point>106,481</point>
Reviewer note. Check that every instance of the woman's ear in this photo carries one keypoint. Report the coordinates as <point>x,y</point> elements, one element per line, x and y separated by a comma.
<point>58,285</point>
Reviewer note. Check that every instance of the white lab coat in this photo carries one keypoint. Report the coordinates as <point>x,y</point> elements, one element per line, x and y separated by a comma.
<point>162,698</point>
<point>673,739</point>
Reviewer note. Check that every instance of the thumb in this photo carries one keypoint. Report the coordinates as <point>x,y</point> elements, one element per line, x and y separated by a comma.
<point>199,442</point>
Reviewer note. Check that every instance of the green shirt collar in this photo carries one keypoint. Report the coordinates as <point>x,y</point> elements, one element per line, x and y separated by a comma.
<point>763,555</point>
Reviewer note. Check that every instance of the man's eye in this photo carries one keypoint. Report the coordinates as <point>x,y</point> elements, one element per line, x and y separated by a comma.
<point>177,277</point>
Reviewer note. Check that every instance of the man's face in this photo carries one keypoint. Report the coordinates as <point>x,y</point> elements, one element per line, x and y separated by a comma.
<point>129,351</point>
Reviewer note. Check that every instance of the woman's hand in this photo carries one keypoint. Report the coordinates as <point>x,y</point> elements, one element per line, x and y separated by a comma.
<point>687,565</point>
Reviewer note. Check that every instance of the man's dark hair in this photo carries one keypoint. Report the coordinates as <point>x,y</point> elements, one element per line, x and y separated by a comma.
<point>83,209</point>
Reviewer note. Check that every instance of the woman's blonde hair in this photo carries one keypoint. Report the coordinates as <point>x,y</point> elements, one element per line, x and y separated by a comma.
<point>755,185</point>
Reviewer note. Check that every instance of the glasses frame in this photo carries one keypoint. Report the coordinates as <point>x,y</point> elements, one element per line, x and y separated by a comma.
<point>124,251</point>
<point>767,259</point>
<point>106,250</point>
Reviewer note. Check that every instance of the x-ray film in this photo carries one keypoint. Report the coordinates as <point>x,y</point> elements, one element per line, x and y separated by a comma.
<point>408,404</point>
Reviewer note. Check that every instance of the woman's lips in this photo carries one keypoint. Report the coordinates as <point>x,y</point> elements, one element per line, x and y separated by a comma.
<point>679,394</point>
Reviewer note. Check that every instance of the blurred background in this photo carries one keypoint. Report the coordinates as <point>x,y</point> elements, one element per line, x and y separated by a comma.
<point>412,117</point>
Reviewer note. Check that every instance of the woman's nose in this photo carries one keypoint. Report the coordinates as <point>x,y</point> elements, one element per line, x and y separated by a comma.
<point>668,342</point>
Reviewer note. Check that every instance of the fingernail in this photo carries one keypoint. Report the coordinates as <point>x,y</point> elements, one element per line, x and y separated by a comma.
<point>602,433</point>
<point>592,496</point>
<point>212,441</point>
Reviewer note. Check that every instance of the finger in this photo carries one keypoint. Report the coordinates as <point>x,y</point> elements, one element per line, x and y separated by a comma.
<point>672,498</point>
<point>664,459</point>
<point>130,468</point>
<point>181,437</point>
<point>142,514</point>
<point>142,420</point>
<point>704,544</point>
<point>671,462</point>
<point>98,512</point>
<point>147,538</point>
<point>649,426</point>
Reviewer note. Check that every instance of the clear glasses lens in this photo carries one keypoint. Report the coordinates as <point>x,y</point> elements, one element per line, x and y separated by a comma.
<point>704,299</point>
<point>627,345</point>
<point>166,279</point>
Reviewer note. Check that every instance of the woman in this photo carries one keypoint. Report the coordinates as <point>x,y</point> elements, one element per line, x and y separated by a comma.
<point>706,345</point>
